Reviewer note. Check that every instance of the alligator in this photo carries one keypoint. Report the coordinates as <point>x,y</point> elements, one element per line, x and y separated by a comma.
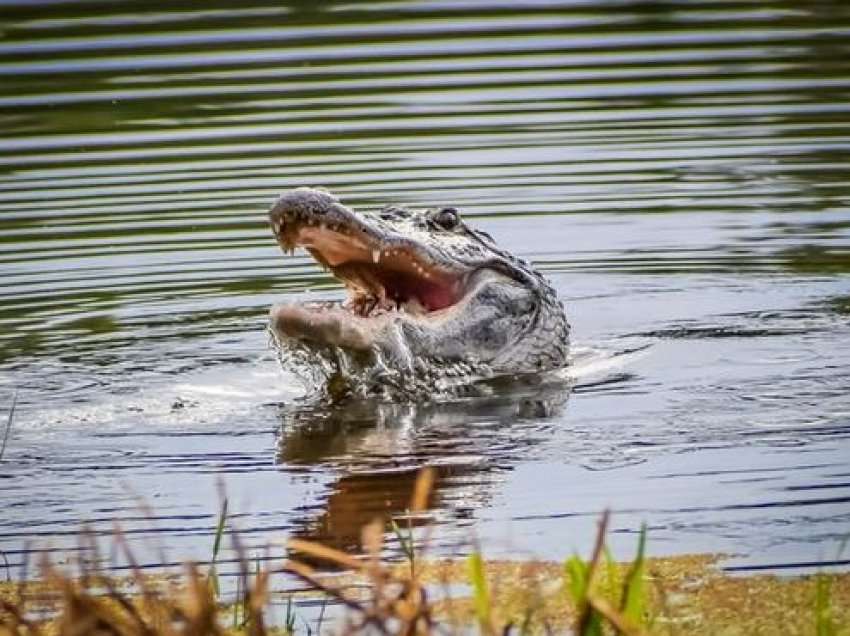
<point>431,301</point>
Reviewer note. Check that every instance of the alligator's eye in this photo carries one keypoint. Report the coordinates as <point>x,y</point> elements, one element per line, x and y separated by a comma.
<point>447,218</point>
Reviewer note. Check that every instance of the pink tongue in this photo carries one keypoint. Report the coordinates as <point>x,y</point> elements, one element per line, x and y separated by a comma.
<point>435,297</point>
<point>431,295</point>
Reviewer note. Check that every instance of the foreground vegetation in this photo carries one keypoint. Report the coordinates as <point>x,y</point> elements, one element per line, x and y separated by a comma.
<point>671,596</point>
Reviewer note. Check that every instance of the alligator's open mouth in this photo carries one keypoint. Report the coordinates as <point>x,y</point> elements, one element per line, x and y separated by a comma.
<point>379,277</point>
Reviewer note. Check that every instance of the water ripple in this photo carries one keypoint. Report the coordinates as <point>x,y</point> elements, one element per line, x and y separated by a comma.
<point>680,172</point>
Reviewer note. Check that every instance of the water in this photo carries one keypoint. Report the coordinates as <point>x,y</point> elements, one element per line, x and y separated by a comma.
<point>680,171</point>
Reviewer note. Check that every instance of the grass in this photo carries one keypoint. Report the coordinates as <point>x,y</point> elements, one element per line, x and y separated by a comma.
<point>480,593</point>
<point>625,606</point>
<point>406,541</point>
<point>684,595</point>
<point>823,610</point>
<point>6,432</point>
<point>8,427</point>
<point>219,534</point>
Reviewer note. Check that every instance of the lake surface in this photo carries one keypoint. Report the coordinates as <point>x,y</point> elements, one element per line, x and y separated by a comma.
<point>681,172</point>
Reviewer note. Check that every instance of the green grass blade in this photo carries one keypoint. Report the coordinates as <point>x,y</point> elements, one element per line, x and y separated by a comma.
<point>290,616</point>
<point>577,573</point>
<point>407,543</point>
<point>612,578</point>
<point>823,607</point>
<point>219,533</point>
<point>8,424</point>
<point>634,603</point>
<point>321,615</point>
<point>480,590</point>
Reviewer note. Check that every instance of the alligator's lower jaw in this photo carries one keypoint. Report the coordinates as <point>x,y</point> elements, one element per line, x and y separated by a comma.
<point>326,323</point>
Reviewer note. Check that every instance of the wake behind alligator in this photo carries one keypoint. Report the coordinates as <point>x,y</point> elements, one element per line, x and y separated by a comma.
<point>432,304</point>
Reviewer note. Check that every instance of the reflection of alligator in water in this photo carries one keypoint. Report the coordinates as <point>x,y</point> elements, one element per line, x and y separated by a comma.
<point>430,299</point>
<point>378,447</point>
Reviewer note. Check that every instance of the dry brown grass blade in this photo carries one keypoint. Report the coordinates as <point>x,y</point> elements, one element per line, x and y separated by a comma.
<point>309,576</point>
<point>87,611</point>
<point>83,613</point>
<point>368,615</point>
<point>598,546</point>
<point>199,607</point>
<point>372,540</point>
<point>422,489</point>
<point>149,595</point>
<point>325,553</point>
<point>142,627</point>
<point>614,617</point>
<point>258,596</point>
<point>91,574</point>
<point>586,613</point>
<point>414,610</point>
<point>396,605</point>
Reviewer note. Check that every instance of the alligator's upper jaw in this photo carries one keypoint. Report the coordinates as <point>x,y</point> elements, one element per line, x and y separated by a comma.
<point>384,275</point>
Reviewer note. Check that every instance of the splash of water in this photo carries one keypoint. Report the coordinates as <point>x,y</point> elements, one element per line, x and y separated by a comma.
<point>336,373</point>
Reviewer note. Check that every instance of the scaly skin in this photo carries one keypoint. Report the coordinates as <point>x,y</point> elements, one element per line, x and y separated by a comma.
<point>430,297</point>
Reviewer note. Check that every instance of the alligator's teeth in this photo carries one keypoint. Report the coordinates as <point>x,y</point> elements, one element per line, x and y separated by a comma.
<point>376,256</point>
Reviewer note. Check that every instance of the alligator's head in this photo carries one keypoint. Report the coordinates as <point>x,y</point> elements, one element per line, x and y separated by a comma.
<point>428,296</point>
